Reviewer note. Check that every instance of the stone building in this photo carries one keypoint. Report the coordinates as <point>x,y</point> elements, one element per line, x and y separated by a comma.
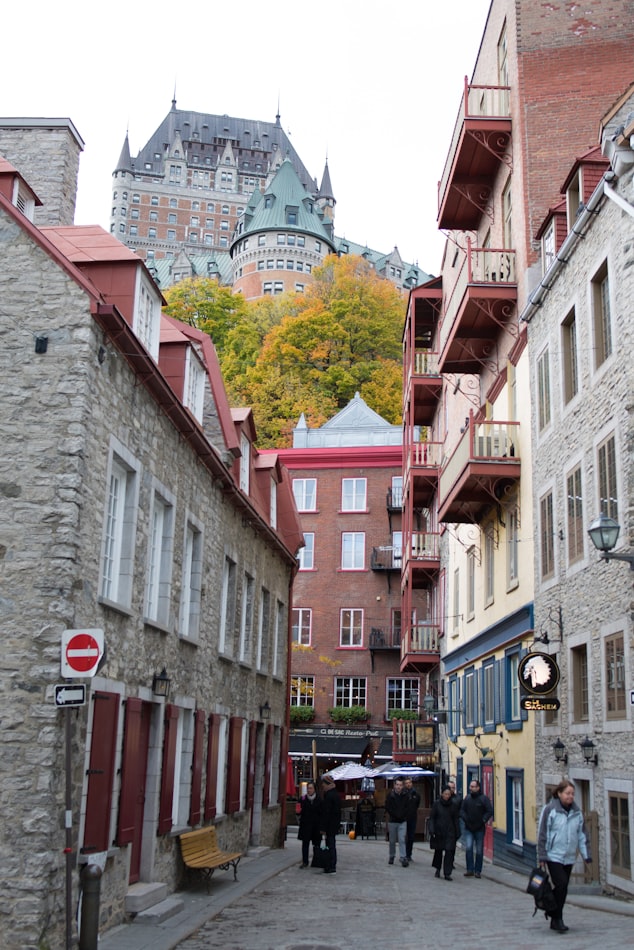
<point>580,341</point>
<point>543,75</point>
<point>180,204</point>
<point>137,512</point>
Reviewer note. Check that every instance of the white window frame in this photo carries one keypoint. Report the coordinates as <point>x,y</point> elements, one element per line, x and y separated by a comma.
<point>146,322</point>
<point>191,582</point>
<point>160,557</point>
<point>302,691</point>
<point>273,503</point>
<point>264,631</point>
<point>246,617</point>
<point>354,494</point>
<point>346,687</point>
<point>306,555</point>
<point>245,463</point>
<point>305,493</point>
<point>302,615</point>
<point>353,550</point>
<point>194,386</point>
<point>227,606</point>
<point>351,627</point>
<point>278,639</point>
<point>119,528</point>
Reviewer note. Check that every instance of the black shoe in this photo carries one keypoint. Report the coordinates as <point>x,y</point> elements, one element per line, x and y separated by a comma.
<point>405,862</point>
<point>330,870</point>
<point>448,877</point>
<point>477,874</point>
<point>437,874</point>
<point>468,874</point>
<point>391,861</point>
<point>559,926</point>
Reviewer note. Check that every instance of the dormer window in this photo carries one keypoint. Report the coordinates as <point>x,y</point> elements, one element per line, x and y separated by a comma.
<point>573,199</point>
<point>245,460</point>
<point>268,201</point>
<point>194,388</point>
<point>291,216</point>
<point>147,314</point>
<point>548,246</point>
<point>273,503</point>
<point>23,200</point>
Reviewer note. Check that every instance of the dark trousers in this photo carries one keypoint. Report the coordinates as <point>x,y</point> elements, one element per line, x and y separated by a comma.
<point>315,841</point>
<point>409,838</point>
<point>447,864</point>
<point>559,875</point>
<point>331,842</point>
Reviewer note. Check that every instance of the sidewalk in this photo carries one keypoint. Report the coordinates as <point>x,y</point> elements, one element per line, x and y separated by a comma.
<point>151,933</point>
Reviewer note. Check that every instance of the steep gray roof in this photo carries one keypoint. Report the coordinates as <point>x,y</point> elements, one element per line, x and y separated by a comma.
<point>355,424</point>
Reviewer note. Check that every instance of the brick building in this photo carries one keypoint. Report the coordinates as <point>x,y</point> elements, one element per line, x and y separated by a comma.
<point>133,503</point>
<point>580,343</point>
<point>543,76</point>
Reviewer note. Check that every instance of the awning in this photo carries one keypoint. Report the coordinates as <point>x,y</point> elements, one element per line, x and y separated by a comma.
<point>328,747</point>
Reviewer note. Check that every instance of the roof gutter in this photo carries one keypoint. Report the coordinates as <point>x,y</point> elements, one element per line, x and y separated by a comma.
<point>576,233</point>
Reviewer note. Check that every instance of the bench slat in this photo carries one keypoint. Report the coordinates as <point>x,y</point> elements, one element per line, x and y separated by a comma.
<point>200,852</point>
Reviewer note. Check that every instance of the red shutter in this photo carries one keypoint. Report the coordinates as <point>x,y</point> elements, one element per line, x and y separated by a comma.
<point>129,768</point>
<point>101,772</point>
<point>253,743</point>
<point>197,767</point>
<point>268,752</point>
<point>234,764</point>
<point>167,771</point>
<point>211,782</point>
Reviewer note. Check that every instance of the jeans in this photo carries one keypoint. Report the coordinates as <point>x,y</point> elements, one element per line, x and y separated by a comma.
<point>471,839</point>
<point>397,831</point>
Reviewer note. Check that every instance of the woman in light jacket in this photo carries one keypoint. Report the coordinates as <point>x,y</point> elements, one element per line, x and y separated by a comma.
<point>562,832</point>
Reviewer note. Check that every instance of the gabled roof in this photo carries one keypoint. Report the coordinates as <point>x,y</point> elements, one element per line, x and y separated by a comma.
<point>355,424</point>
<point>8,175</point>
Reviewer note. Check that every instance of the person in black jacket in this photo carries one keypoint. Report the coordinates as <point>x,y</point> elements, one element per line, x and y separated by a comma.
<point>475,812</point>
<point>444,830</point>
<point>309,821</point>
<point>330,820</point>
<point>413,801</point>
<point>396,805</point>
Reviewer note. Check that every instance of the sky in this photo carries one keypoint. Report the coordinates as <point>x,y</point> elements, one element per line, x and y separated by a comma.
<point>374,89</point>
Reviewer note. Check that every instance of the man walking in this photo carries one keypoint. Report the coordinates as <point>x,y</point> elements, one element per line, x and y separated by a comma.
<point>396,805</point>
<point>413,801</point>
<point>475,812</point>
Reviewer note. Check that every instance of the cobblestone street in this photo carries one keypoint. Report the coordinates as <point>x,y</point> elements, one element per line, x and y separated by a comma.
<point>368,903</point>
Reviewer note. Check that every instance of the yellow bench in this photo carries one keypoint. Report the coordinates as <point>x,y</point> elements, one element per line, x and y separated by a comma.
<point>200,852</point>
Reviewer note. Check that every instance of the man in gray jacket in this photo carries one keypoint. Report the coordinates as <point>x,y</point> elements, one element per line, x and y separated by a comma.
<point>476,810</point>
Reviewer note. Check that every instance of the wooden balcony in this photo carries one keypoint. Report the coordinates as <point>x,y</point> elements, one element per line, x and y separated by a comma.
<point>483,300</point>
<point>422,561</point>
<point>414,741</point>
<point>483,466</point>
<point>423,387</point>
<point>422,470</point>
<point>479,145</point>
<point>420,646</point>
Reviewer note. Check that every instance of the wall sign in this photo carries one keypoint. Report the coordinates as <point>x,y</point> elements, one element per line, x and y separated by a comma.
<point>538,673</point>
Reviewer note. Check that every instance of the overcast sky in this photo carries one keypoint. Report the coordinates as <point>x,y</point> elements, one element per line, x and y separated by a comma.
<point>372,85</point>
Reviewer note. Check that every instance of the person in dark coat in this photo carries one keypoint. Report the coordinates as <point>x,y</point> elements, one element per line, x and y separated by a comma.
<point>330,819</point>
<point>475,812</point>
<point>413,802</point>
<point>309,821</point>
<point>445,828</point>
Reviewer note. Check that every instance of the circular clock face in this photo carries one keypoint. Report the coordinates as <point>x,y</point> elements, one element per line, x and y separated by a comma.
<point>538,673</point>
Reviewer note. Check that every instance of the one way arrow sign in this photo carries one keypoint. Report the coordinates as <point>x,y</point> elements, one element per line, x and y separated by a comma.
<point>66,695</point>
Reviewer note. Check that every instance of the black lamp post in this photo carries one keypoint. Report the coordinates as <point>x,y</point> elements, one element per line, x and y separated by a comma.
<point>588,748</point>
<point>604,533</point>
<point>560,751</point>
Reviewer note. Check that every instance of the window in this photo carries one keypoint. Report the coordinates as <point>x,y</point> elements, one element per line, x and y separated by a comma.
<point>606,458</point>
<point>570,359</point>
<point>318,246</point>
<point>548,246</point>
<point>489,564</point>
<point>171,218</point>
<point>173,203</point>
<point>601,323</point>
<point>278,638</point>
<point>402,693</point>
<point>191,585</point>
<point>153,215</point>
<point>281,239</point>
<point>194,387</point>
<point>117,559</point>
<point>136,199</point>
<point>471,564</point>
<point>470,699</point>
<point>543,390</point>
<point>154,199</point>
<point>246,618</point>
<point>158,590</point>
<point>574,515</point>
<point>151,232</point>
<point>305,492</point>
<point>512,546</point>
<point>350,690</point>
<point>133,230</point>
<point>350,628</point>
<point>488,694</point>
<point>171,234</point>
<point>456,600</point>
<point>147,316</point>
<point>194,221</point>
<point>353,551</point>
<point>620,851</point>
<point>261,240</point>
<point>301,625</point>
<point>516,800</point>
<point>302,691</point>
<point>580,695</point>
<point>245,462</point>
<point>273,503</point>
<point>306,555</point>
<point>354,494</point>
<point>227,607</point>
<point>547,536</point>
<point>264,625</point>
<point>507,216</point>
<point>615,676</point>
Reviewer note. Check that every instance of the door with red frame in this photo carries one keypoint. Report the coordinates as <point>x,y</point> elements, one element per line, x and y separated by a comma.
<point>136,741</point>
<point>486,780</point>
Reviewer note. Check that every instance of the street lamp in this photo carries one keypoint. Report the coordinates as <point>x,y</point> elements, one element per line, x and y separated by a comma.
<point>560,751</point>
<point>588,749</point>
<point>604,533</point>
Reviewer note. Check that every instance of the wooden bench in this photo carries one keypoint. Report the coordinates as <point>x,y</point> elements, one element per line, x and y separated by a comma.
<point>200,852</point>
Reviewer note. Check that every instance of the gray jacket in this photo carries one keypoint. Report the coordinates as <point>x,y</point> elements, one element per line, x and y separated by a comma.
<point>561,834</point>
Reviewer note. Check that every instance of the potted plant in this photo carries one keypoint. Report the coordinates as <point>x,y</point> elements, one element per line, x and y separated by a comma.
<point>402,714</point>
<point>349,714</point>
<point>302,714</point>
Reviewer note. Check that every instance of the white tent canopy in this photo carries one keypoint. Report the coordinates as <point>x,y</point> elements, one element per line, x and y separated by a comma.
<point>399,770</point>
<point>349,770</point>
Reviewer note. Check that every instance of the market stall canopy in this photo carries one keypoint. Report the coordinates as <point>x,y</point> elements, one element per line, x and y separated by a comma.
<point>349,770</point>
<point>398,770</point>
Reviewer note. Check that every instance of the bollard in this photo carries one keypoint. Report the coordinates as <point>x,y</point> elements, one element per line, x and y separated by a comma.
<point>91,886</point>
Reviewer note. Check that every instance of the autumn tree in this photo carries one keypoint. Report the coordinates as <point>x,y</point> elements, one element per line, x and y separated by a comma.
<point>204,304</point>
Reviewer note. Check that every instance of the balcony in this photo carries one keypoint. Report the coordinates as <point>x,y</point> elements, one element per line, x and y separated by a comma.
<point>423,387</point>
<point>420,646</point>
<point>394,499</point>
<point>478,147</point>
<point>387,557</point>
<point>422,468</point>
<point>423,562</point>
<point>481,304</point>
<point>385,639</point>
<point>484,465</point>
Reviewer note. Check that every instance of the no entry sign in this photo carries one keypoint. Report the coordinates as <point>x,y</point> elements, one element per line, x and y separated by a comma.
<point>81,652</point>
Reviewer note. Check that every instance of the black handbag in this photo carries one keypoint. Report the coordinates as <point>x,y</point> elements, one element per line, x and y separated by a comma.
<point>540,888</point>
<point>321,858</point>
